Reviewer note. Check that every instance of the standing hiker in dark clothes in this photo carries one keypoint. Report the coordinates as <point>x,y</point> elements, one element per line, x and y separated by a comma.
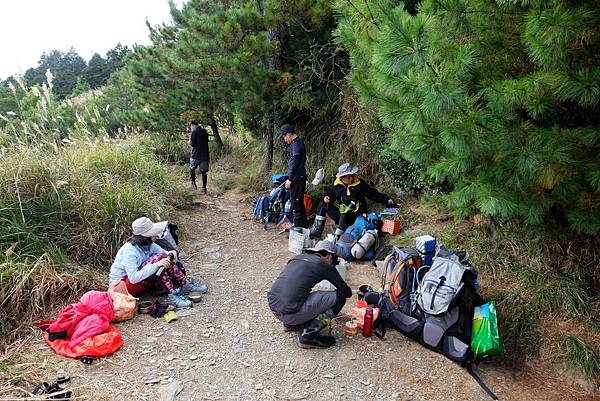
<point>200,156</point>
<point>296,182</point>
<point>292,302</point>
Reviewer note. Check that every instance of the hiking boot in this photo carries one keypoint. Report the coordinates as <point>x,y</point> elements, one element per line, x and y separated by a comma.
<point>310,337</point>
<point>292,327</point>
<point>193,286</point>
<point>317,230</point>
<point>178,300</point>
<point>194,185</point>
<point>204,191</point>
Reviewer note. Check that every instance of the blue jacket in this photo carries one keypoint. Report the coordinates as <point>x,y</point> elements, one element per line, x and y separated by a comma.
<point>129,258</point>
<point>296,164</point>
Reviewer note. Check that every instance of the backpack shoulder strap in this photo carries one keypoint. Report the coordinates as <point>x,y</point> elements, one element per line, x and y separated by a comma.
<point>479,381</point>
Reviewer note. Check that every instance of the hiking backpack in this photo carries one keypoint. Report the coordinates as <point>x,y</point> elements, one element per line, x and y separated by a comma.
<point>402,271</point>
<point>442,318</point>
<point>260,208</point>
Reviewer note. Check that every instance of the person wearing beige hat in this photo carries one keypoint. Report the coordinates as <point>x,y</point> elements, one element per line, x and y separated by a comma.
<point>140,262</point>
<point>346,200</point>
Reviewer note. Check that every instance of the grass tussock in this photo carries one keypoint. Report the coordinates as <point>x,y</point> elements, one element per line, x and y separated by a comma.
<point>241,165</point>
<point>172,148</point>
<point>29,290</point>
<point>70,208</point>
<point>580,356</point>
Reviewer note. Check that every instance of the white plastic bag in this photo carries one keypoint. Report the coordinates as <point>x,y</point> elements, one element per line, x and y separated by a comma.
<point>299,240</point>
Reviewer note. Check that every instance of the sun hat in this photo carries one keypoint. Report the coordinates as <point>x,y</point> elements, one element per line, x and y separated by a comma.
<point>286,129</point>
<point>324,245</point>
<point>346,169</point>
<point>146,228</point>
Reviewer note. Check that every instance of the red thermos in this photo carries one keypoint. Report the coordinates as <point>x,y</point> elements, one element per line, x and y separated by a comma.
<point>368,323</point>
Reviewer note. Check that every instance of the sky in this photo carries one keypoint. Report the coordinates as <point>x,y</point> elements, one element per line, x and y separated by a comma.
<point>30,27</point>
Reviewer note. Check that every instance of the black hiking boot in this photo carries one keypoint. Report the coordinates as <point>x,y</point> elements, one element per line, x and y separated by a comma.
<point>204,190</point>
<point>310,337</point>
<point>317,230</point>
<point>194,185</point>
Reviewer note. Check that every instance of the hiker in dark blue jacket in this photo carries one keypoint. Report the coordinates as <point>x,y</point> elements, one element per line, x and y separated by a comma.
<point>296,182</point>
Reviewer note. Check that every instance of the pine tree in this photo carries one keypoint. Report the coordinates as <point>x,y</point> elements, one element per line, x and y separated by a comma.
<point>499,98</point>
<point>95,71</point>
<point>216,62</point>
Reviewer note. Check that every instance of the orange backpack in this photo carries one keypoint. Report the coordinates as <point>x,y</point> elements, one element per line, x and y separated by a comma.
<point>403,271</point>
<point>308,205</point>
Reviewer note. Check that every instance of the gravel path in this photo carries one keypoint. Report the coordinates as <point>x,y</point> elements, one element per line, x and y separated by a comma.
<point>230,347</point>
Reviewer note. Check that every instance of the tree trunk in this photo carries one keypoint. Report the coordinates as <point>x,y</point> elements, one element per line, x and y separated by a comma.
<point>274,63</point>
<point>270,130</point>
<point>215,129</point>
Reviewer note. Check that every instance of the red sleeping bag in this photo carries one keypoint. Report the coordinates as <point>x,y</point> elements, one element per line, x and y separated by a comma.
<point>87,327</point>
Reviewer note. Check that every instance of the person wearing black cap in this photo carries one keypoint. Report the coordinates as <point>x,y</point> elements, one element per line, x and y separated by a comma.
<point>296,182</point>
<point>200,155</point>
<point>292,302</point>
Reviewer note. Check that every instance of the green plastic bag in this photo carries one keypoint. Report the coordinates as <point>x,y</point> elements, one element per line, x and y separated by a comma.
<point>486,340</point>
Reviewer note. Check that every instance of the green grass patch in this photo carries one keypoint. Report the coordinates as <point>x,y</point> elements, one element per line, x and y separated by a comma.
<point>580,356</point>
<point>172,148</point>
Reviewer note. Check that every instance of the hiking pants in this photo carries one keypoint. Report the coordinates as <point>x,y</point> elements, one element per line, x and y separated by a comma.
<point>172,278</point>
<point>328,302</point>
<point>297,198</point>
<point>342,221</point>
<point>202,165</point>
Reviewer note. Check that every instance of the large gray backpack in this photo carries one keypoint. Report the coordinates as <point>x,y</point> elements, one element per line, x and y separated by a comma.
<point>440,285</point>
<point>445,302</point>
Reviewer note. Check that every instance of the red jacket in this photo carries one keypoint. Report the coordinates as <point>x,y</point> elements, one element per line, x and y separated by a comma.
<point>85,319</point>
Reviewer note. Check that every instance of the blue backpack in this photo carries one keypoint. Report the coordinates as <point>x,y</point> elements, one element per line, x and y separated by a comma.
<point>260,208</point>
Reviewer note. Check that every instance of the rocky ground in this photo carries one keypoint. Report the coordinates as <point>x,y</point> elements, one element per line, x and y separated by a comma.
<point>230,347</point>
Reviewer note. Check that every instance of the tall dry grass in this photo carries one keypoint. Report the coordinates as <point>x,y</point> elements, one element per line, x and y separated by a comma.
<point>61,211</point>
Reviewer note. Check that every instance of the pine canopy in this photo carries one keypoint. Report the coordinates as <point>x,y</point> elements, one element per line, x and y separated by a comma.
<point>500,98</point>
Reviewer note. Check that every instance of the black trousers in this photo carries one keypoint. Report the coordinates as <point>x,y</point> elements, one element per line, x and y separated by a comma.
<point>342,221</point>
<point>297,197</point>
<point>202,165</point>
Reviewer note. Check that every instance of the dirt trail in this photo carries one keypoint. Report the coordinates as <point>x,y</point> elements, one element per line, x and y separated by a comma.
<point>230,347</point>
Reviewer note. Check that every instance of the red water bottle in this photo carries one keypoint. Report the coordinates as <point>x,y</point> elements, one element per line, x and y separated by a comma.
<point>368,323</point>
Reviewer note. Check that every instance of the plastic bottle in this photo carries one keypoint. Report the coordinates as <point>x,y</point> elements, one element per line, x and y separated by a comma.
<point>287,208</point>
<point>351,327</point>
<point>368,324</point>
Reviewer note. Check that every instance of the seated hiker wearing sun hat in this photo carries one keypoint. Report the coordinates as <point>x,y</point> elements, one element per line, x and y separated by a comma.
<point>140,262</point>
<point>292,302</point>
<point>346,200</point>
